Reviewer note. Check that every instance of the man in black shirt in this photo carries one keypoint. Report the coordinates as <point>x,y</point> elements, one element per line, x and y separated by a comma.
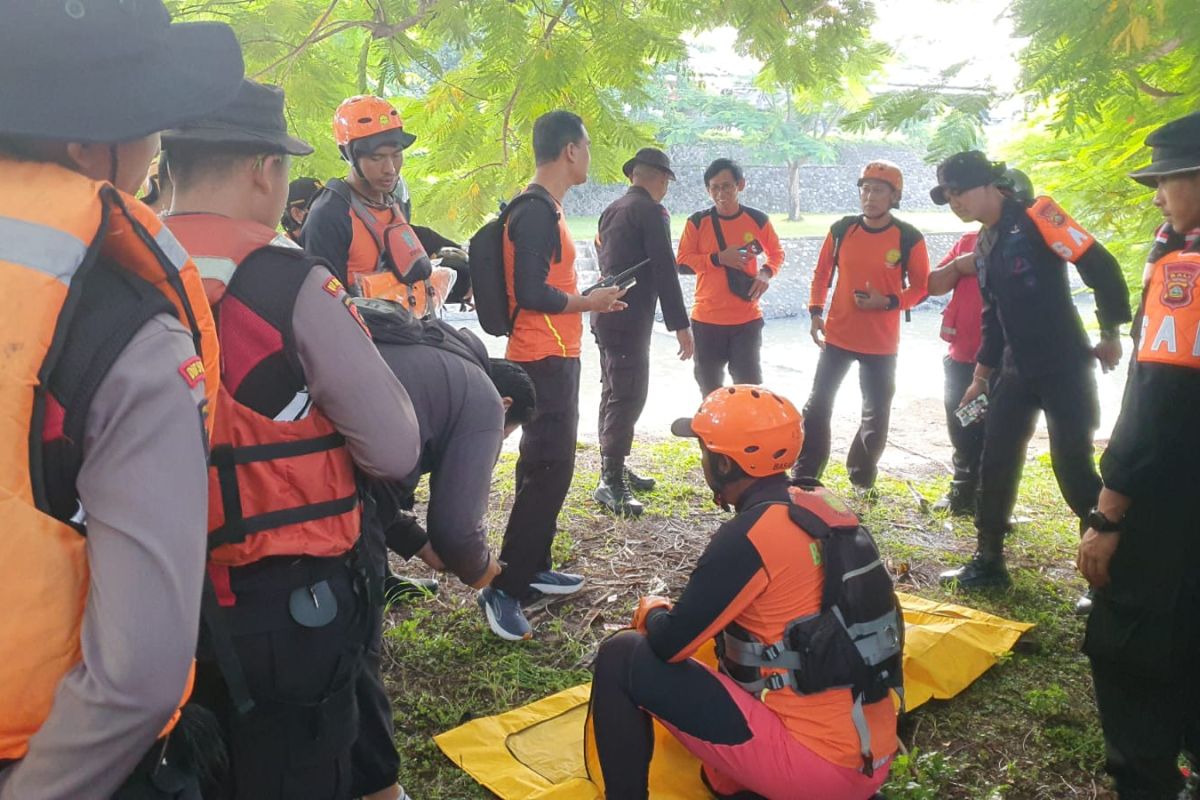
<point>1141,552</point>
<point>632,229</point>
<point>1033,335</point>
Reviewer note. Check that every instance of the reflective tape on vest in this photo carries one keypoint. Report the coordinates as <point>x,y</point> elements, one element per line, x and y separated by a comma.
<point>1171,321</point>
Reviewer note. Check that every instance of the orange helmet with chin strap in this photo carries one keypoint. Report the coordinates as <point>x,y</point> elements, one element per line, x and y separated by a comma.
<point>761,431</point>
<point>887,172</point>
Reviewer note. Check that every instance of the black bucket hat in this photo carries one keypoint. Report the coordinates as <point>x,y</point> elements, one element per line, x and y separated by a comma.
<point>651,157</point>
<point>1176,150</point>
<point>106,71</point>
<point>963,171</point>
<point>254,117</point>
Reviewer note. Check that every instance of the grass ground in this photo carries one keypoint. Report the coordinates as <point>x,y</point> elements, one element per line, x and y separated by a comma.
<point>1026,730</point>
<point>810,225</point>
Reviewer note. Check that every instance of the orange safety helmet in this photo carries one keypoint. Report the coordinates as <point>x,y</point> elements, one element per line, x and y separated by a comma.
<point>887,172</point>
<point>366,115</point>
<point>760,430</point>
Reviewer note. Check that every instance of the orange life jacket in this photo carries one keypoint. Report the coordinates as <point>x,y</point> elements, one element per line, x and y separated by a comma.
<point>282,486</point>
<point>59,229</point>
<point>1171,318</point>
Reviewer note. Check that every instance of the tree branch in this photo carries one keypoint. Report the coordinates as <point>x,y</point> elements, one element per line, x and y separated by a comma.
<point>1146,88</point>
<point>512,100</point>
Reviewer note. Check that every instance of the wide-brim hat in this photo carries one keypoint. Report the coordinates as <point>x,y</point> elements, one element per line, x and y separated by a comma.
<point>106,71</point>
<point>1176,150</point>
<point>253,118</point>
<point>651,157</point>
<point>964,171</point>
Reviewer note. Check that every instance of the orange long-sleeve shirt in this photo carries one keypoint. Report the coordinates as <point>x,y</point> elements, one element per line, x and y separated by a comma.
<point>698,249</point>
<point>868,256</point>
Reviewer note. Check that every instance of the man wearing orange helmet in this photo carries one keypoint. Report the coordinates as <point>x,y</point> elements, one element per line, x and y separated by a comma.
<point>360,225</point>
<point>877,266</point>
<point>775,721</point>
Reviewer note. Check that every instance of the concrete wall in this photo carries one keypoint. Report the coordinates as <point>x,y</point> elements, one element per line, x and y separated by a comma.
<point>824,189</point>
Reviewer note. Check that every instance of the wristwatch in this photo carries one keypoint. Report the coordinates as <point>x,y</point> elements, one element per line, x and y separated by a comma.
<point>1100,523</point>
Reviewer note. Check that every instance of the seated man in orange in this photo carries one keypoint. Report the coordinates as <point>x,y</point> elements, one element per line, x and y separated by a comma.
<point>799,709</point>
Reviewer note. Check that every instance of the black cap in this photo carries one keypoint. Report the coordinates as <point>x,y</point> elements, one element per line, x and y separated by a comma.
<point>109,70</point>
<point>302,190</point>
<point>1176,150</point>
<point>651,157</point>
<point>963,171</point>
<point>254,117</point>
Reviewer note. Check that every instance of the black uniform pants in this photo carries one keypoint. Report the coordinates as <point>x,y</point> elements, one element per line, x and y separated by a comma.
<point>545,467</point>
<point>1068,398</point>
<point>738,346</point>
<point>295,743</point>
<point>624,383</point>
<point>877,379</point>
<point>968,441</point>
<point>1143,640</point>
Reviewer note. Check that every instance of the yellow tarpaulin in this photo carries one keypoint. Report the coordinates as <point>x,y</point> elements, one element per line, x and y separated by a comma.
<point>537,752</point>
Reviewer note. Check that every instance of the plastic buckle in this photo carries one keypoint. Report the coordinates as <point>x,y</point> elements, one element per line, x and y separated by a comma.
<point>775,682</point>
<point>770,653</point>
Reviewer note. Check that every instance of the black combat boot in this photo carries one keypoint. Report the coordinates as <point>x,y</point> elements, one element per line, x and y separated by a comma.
<point>638,483</point>
<point>613,492</point>
<point>959,500</point>
<point>985,569</point>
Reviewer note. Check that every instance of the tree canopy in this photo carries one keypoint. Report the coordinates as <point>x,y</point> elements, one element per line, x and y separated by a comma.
<point>470,76</point>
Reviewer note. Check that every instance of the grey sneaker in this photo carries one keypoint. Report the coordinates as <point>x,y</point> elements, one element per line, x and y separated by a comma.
<point>551,582</point>
<point>504,615</point>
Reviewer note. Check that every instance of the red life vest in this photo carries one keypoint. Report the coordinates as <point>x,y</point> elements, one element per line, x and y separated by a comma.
<point>281,485</point>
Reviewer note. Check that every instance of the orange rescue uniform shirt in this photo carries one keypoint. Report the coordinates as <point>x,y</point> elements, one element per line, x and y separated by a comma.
<point>536,334</point>
<point>714,303</point>
<point>868,256</point>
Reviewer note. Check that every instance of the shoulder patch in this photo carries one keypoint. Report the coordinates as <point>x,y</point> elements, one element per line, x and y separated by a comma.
<point>334,287</point>
<point>760,218</point>
<point>192,371</point>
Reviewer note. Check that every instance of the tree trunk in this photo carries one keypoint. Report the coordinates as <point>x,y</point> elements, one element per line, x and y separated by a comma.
<point>794,189</point>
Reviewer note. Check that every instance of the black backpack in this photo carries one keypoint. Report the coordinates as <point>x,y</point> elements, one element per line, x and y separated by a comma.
<point>487,268</point>
<point>909,236</point>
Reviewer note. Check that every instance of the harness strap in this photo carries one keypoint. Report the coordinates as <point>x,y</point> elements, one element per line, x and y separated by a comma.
<point>235,531</point>
<point>221,641</point>
<point>230,456</point>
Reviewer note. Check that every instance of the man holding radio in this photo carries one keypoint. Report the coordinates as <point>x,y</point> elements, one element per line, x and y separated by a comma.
<point>635,229</point>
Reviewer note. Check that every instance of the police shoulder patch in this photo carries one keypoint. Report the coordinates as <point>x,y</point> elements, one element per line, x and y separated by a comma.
<point>334,287</point>
<point>192,371</point>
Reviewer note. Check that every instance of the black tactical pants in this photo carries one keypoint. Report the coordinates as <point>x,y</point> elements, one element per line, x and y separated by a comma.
<point>624,384</point>
<point>738,346</point>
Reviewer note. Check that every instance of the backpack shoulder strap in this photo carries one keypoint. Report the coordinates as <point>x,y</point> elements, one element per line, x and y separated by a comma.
<point>716,223</point>
<point>359,209</point>
<point>838,231</point>
<point>524,196</point>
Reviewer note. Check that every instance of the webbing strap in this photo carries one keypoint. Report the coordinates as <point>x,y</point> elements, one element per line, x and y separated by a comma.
<point>228,455</point>
<point>221,641</point>
<point>864,735</point>
<point>237,530</point>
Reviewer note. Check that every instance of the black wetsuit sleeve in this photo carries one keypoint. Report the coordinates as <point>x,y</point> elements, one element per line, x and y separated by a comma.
<point>431,240</point>
<point>1101,272</point>
<point>727,578</point>
<point>533,231</point>
<point>1155,444</point>
<point>327,233</point>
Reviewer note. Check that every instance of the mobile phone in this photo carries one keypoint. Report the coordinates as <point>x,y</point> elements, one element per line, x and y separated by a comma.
<point>751,248</point>
<point>972,411</point>
<point>624,279</point>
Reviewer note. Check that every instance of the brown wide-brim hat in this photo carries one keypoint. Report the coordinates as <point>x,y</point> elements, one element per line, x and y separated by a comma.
<point>253,118</point>
<point>1176,150</point>
<point>651,157</point>
<point>105,71</point>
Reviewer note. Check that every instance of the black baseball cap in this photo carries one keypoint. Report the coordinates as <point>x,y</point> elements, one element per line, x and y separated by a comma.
<point>1176,150</point>
<point>963,171</point>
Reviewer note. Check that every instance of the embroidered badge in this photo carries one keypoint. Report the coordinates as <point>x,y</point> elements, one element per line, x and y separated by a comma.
<point>192,371</point>
<point>1178,281</point>
<point>334,287</point>
<point>892,257</point>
